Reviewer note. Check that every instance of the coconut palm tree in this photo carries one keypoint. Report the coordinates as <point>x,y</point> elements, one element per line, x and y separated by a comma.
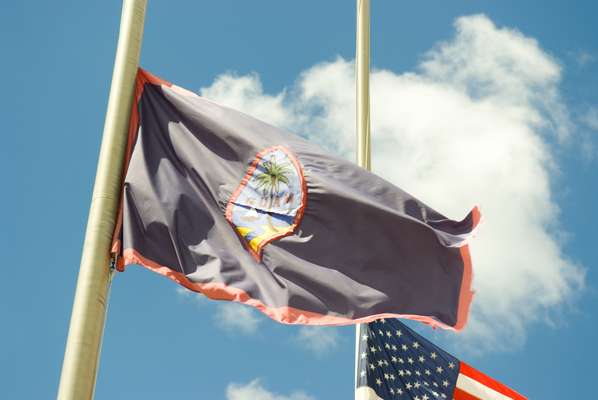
<point>272,176</point>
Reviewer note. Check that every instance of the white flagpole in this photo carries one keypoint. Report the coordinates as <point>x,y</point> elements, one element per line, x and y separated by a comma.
<point>362,82</point>
<point>81,357</point>
<point>362,72</point>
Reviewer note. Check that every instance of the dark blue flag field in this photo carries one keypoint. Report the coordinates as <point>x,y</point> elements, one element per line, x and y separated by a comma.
<point>394,362</point>
<point>236,209</point>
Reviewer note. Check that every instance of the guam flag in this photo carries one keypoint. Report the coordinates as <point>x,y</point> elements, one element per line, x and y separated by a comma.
<point>236,209</point>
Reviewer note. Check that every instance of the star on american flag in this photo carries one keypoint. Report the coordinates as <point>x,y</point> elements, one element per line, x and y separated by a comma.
<point>406,366</point>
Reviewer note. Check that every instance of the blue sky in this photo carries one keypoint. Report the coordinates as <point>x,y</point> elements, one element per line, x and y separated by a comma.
<point>493,103</point>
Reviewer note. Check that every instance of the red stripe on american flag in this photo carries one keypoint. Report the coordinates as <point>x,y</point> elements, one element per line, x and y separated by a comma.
<point>462,395</point>
<point>489,382</point>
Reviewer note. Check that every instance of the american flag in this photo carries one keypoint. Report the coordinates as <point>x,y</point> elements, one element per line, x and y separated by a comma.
<point>394,362</point>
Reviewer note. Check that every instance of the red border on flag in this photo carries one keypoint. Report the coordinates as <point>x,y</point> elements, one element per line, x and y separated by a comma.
<point>141,79</point>
<point>220,291</point>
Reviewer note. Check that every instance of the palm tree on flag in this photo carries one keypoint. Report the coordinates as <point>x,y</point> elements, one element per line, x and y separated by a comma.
<point>272,176</point>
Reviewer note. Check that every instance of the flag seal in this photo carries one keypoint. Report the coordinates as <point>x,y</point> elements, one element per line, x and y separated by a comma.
<point>269,202</point>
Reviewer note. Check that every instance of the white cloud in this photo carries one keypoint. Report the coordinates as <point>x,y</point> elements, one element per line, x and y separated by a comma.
<point>255,391</point>
<point>232,317</point>
<point>584,58</point>
<point>504,67</point>
<point>188,295</point>
<point>237,318</point>
<point>317,339</point>
<point>472,125</point>
<point>245,93</point>
<point>590,119</point>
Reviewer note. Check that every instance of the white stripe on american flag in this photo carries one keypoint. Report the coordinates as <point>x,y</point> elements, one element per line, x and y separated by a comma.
<point>478,389</point>
<point>366,393</point>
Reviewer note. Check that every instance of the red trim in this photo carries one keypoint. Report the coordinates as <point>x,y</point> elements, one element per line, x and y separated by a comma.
<point>257,255</point>
<point>141,79</point>
<point>466,293</point>
<point>285,315</point>
<point>477,217</point>
<point>484,379</point>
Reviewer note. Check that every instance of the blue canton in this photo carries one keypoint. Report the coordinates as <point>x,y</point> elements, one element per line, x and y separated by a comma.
<point>397,363</point>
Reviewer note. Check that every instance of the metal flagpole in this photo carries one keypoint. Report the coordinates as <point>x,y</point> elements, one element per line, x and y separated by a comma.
<point>362,63</point>
<point>362,82</point>
<point>79,368</point>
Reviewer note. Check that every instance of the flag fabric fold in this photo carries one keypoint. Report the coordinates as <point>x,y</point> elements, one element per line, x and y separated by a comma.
<point>394,362</point>
<point>239,210</point>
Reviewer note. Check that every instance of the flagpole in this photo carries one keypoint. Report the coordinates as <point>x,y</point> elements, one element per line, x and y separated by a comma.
<point>362,83</point>
<point>81,357</point>
<point>362,67</point>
